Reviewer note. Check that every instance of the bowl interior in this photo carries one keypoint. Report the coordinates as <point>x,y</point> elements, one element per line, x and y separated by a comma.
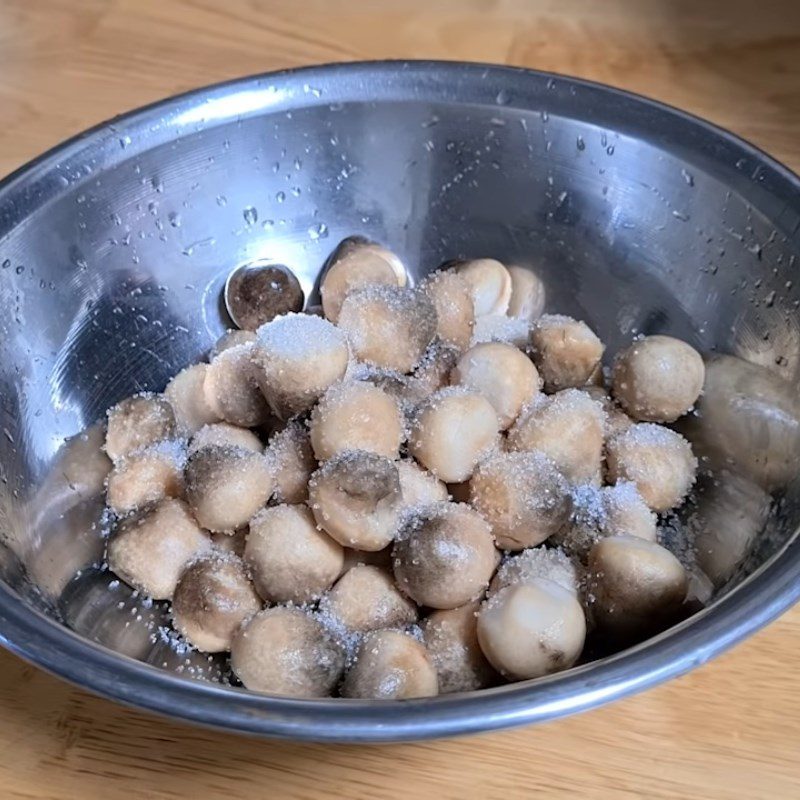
<point>114,250</point>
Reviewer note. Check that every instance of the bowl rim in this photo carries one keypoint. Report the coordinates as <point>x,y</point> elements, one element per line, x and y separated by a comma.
<point>756,601</point>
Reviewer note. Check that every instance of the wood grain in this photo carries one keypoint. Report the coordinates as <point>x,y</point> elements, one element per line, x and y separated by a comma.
<point>728,730</point>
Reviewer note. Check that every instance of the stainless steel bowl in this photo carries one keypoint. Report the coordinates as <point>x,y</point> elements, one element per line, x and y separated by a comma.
<point>114,248</point>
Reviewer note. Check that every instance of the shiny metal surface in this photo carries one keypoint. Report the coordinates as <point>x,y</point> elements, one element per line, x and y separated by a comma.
<point>114,249</point>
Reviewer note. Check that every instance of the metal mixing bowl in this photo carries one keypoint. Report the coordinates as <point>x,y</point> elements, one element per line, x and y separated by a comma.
<point>115,245</point>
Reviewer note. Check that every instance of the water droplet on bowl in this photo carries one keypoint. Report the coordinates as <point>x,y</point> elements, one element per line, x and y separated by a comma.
<point>250,215</point>
<point>320,231</point>
<point>580,144</point>
<point>208,242</point>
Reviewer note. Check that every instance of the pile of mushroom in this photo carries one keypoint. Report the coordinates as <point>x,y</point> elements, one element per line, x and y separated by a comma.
<point>423,490</point>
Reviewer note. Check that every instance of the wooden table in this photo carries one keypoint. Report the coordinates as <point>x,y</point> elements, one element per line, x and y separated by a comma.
<point>730,729</point>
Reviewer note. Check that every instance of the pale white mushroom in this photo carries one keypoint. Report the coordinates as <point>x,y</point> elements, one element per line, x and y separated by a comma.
<point>225,486</point>
<point>451,639</point>
<point>452,431</point>
<point>523,496</point>
<point>214,596</point>
<point>505,376</point>
<point>451,294</point>
<point>532,628</point>
<point>617,510</point>
<point>145,477</point>
<point>137,422</point>
<point>407,390</point>
<point>490,282</point>
<point>500,328</point>
<point>356,499</point>
<point>418,486</point>
<point>565,351</point>
<point>364,599</point>
<point>444,555</point>
<point>627,513</point>
<point>232,338</point>
<point>616,420</point>
<point>634,585</point>
<point>284,651</point>
<point>537,562</point>
<point>149,551</point>
<point>355,264</point>
<point>356,415</point>
<point>231,390</point>
<point>433,371</point>
<point>568,427</point>
<point>659,461</point>
<point>527,294</point>
<point>186,396</point>
<point>291,560</point>
<point>658,378</point>
<point>390,665</point>
<point>223,433</point>
<point>388,326</point>
<point>293,462</point>
<point>297,357</point>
